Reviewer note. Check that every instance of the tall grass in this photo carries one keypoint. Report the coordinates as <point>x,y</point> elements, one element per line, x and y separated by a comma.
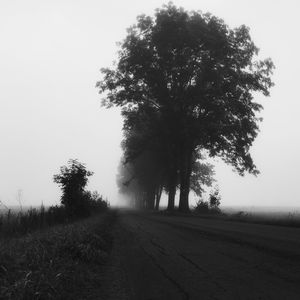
<point>17,223</point>
<point>62,262</point>
<point>14,223</point>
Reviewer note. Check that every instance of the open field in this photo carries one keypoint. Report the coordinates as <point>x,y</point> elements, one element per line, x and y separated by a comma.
<point>288,217</point>
<point>266,212</point>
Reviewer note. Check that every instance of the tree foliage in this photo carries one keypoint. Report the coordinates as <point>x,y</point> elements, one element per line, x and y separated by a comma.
<point>198,77</point>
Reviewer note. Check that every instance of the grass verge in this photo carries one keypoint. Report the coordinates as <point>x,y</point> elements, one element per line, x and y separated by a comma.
<point>61,262</point>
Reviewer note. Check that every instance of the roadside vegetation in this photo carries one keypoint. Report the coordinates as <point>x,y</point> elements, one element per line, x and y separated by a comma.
<point>41,261</point>
<point>212,206</point>
<point>76,203</point>
<point>62,262</point>
<point>17,223</point>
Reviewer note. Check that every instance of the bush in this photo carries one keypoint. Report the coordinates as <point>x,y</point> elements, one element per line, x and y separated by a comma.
<point>72,180</point>
<point>211,206</point>
<point>215,199</point>
<point>95,201</point>
<point>201,207</point>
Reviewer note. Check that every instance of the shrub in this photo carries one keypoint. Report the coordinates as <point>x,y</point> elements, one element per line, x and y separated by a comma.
<point>72,180</point>
<point>201,207</point>
<point>95,201</point>
<point>215,199</point>
<point>211,206</point>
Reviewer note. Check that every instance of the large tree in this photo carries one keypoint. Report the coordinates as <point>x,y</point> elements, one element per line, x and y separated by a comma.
<point>200,75</point>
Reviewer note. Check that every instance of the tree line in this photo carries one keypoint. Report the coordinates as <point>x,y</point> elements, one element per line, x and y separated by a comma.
<point>185,83</point>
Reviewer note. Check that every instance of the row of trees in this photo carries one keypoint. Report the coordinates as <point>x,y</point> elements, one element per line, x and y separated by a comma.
<point>144,178</point>
<point>185,82</point>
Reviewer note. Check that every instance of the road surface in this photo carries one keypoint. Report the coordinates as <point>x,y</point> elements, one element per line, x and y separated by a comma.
<point>184,257</point>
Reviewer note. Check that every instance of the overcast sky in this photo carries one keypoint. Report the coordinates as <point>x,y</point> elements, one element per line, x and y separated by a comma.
<point>50,55</point>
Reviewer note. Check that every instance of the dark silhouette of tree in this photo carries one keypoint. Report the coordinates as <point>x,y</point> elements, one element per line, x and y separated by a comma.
<point>143,173</point>
<point>200,76</point>
<point>144,168</point>
<point>72,179</point>
<point>141,181</point>
<point>126,184</point>
<point>145,148</point>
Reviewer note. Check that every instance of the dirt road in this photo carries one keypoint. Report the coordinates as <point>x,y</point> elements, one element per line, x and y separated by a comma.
<point>178,257</point>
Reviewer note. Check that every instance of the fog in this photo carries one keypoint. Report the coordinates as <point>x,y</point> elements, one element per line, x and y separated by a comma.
<point>51,53</point>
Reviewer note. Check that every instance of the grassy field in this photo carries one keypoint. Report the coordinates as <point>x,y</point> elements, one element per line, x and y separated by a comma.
<point>15,222</point>
<point>291,219</point>
<point>59,262</point>
<point>286,217</point>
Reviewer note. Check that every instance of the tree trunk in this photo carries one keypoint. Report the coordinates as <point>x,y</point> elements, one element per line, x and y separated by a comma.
<point>172,171</point>
<point>171,197</point>
<point>158,196</point>
<point>144,200</point>
<point>172,189</point>
<point>185,174</point>
<point>150,199</point>
<point>138,200</point>
<point>157,202</point>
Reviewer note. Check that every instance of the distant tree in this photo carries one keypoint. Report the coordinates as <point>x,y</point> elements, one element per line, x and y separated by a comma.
<point>72,179</point>
<point>128,184</point>
<point>19,198</point>
<point>200,76</point>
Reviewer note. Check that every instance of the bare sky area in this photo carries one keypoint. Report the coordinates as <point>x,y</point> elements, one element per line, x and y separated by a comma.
<point>50,56</point>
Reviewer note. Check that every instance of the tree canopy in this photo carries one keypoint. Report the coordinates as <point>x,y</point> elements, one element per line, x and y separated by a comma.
<point>194,78</point>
